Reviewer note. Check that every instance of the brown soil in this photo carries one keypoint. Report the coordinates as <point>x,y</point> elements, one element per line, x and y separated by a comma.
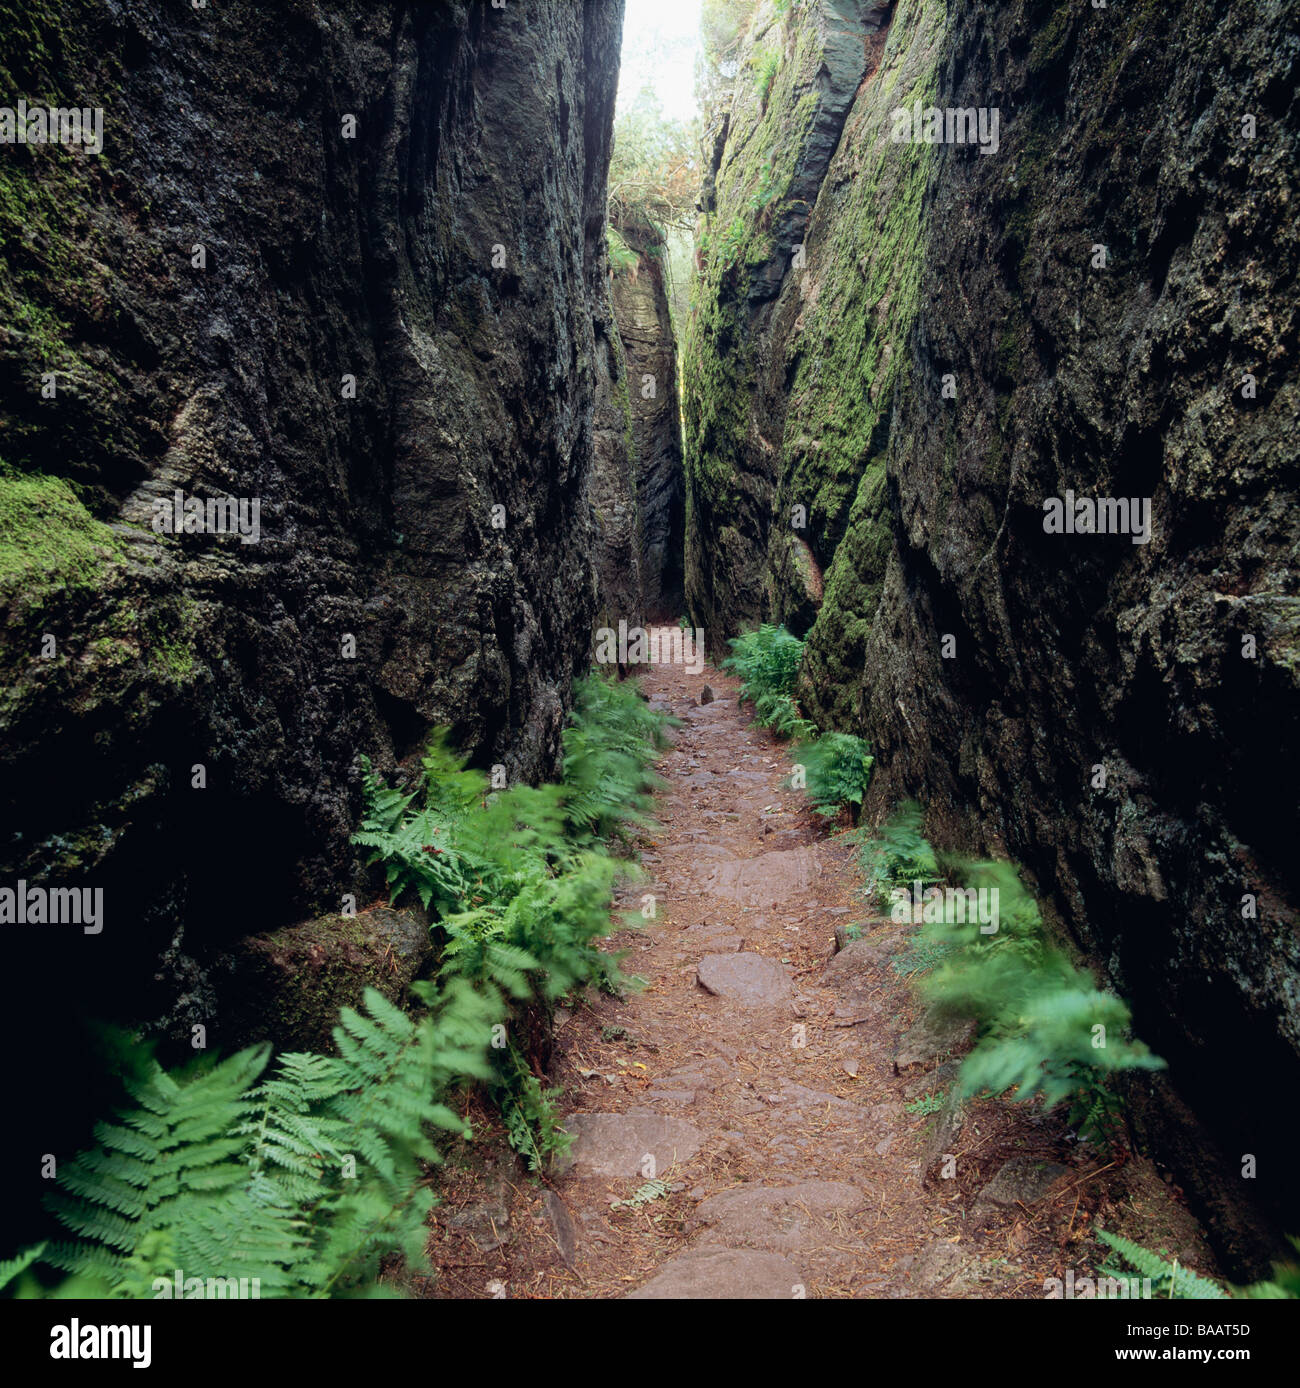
<point>785,1097</point>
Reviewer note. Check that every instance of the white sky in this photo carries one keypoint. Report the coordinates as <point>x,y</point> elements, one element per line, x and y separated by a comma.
<point>665,22</point>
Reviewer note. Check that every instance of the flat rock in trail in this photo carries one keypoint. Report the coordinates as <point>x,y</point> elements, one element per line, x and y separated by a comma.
<point>705,712</point>
<point>784,875</point>
<point>800,1096</point>
<point>778,1218</point>
<point>715,939</point>
<point>694,851</point>
<point>1022,1180</point>
<point>730,1273</point>
<point>617,1144</point>
<point>748,979</point>
<point>931,1038</point>
<point>857,972</point>
<point>943,1266</point>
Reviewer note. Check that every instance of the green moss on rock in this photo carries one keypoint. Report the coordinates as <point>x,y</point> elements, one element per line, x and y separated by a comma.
<point>289,985</point>
<point>48,539</point>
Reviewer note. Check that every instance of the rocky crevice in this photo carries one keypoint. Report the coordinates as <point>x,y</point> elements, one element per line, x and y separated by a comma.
<point>650,355</point>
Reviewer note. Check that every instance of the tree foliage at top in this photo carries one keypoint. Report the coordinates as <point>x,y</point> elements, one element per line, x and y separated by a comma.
<point>654,168</point>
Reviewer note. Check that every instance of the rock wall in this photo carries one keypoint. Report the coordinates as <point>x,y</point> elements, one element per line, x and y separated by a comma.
<point>619,537</point>
<point>346,261</point>
<point>893,372</point>
<point>650,351</point>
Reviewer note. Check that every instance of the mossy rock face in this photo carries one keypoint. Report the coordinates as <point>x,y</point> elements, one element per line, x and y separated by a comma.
<point>619,533</point>
<point>188,739</point>
<point>807,298</point>
<point>288,986</point>
<point>768,177</point>
<point>1072,652</point>
<point>48,539</point>
<point>796,581</point>
<point>645,329</point>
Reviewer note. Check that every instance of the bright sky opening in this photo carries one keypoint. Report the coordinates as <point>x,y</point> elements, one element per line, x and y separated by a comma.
<point>661,39</point>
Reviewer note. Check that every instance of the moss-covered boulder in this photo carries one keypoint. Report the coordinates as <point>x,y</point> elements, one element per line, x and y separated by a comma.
<point>288,985</point>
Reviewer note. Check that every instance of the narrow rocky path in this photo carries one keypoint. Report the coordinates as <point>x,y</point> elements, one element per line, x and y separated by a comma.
<point>763,1080</point>
<point>752,1079</point>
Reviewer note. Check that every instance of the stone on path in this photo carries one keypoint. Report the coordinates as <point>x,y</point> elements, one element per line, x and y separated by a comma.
<point>487,1220</point>
<point>943,1266</point>
<point>727,1273</point>
<point>617,1144</point>
<point>777,1218</point>
<point>768,879</point>
<point>1022,1180</point>
<point>700,713</point>
<point>748,979</point>
<point>932,1037</point>
<point>566,1235</point>
<point>856,972</point>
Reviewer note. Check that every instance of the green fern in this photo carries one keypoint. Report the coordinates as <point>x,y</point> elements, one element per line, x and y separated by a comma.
<point>1284,1285</point>
<point>645,1194</point>
<point>521,881</point>
<point>13,1268</point>
<point>531,1116</point>
<point>921,956</point>
<point>897,854</point>
<point>307,1178</point>
<point>780,713</point>
<point>415,850</point>
<point>1170,1280</point>
<point>304,1181</point>
<point>767,661</point>
<point>837,770</point>
<point>1043,1026</point>
<point>1167,1279</point>
<point>608,748</point>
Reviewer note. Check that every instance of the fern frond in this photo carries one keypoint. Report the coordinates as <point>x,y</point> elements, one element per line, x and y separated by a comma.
<point>1167,1278</point>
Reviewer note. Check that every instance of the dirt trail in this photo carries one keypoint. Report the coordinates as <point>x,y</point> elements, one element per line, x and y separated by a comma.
<point>744,1097</point>
<point>764,1080</point>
